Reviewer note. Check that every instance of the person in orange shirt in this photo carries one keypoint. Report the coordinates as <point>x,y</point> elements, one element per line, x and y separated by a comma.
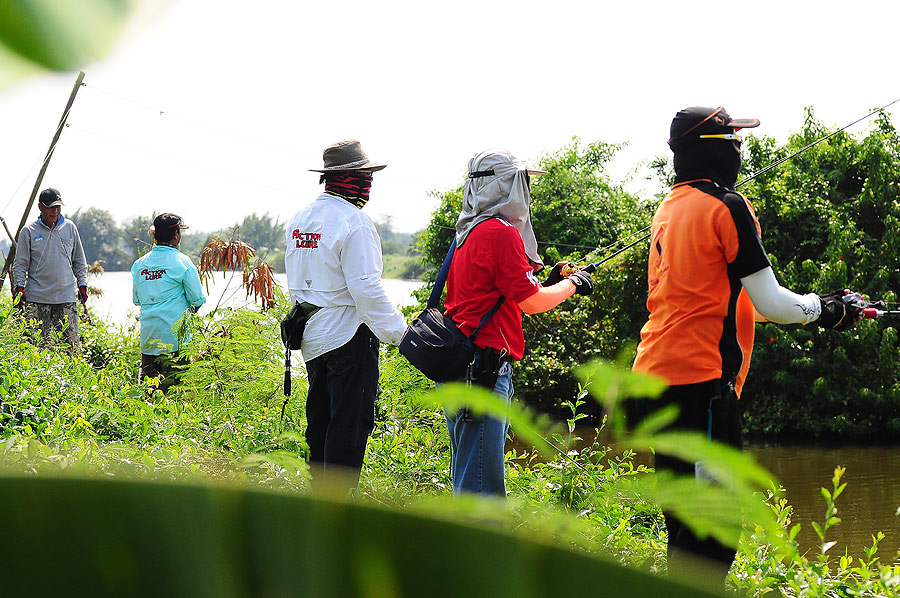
<point>709,280</point>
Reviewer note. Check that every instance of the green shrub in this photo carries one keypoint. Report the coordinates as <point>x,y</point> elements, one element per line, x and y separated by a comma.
<point>829,219</point>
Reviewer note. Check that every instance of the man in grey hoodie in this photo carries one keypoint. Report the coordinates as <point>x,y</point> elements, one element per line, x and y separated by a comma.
<point>49,262</point>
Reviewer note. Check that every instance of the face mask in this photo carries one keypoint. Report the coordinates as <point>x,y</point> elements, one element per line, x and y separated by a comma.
<point>352,185</point>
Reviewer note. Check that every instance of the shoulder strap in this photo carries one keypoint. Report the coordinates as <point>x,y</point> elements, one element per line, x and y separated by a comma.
<point>487,317</point>
<point>441,280</point>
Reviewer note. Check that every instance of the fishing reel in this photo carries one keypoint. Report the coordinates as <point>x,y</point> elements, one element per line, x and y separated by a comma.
<point>570,269</point>
<point>870,309</point>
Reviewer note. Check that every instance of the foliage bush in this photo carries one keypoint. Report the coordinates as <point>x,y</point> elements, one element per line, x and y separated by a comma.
<point>65,414</point>
<point>830,220</point>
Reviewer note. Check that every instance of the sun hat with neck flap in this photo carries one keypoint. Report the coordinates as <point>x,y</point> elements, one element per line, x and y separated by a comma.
<point>498,186</point>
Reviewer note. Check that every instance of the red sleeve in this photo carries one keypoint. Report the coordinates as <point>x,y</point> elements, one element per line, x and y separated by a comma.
<point>514,276</point>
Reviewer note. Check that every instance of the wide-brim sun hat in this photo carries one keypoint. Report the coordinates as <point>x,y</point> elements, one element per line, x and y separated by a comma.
<point>346,155</point>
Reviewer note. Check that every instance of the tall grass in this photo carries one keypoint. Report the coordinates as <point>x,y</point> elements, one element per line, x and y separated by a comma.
<point>90,414</point>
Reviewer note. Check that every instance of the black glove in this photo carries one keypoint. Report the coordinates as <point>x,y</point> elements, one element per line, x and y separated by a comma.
<point>836,314</point>
<point>582,281</point>
<point>19,293</point>
<point>555,275</point>
<point>82,294</point>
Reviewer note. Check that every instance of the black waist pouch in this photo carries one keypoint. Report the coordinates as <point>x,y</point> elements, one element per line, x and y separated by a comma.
<point>292,327</point>
<point>294,323</point>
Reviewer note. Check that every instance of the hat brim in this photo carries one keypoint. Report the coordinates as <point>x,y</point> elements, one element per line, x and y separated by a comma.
<point>534,171</point>
<point>367,166</point>
<point>58,202</point>
<point>743,123</point>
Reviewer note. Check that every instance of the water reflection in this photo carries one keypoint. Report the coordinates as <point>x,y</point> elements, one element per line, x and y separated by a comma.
<point>868,504</point>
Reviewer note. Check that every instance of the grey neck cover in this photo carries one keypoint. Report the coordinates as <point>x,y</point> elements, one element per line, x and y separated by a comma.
<point>503,194</point>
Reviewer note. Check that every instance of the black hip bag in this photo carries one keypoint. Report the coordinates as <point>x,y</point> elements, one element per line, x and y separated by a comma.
<point>434,344</point>
<point>292,327</point>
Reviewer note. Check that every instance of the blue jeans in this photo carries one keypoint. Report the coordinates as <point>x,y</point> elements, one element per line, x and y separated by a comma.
<point>476,463</point>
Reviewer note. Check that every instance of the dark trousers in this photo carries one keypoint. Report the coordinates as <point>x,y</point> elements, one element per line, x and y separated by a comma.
<point>711,409</point>
<point>340,405</point>
<point>165,367</point>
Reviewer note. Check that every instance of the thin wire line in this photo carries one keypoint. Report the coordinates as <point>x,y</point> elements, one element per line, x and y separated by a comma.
<point>160,112</point>
<point>176,160</point>
<point>46,158</point>
<point>19,188</point>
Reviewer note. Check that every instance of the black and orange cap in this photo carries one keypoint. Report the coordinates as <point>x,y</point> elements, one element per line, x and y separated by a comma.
<point>692,122</point>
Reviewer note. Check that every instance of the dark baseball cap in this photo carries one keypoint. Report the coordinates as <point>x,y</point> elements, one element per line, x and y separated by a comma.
<point>690,123</point>
<point>50,197</point>
<point>167,221</point>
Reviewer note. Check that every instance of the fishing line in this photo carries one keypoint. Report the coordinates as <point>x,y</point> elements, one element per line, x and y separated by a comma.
<point>165,113</point>
<point>594,265</point>
<point>814,143</point>
<point>593,248</point>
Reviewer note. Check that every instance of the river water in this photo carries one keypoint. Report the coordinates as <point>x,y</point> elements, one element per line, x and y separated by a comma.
<point>869,503</point>
<point>115,304</point>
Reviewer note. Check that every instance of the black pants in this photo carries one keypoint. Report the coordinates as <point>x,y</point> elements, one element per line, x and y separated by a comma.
<point>711,409</point>
<point>165,366</point>
<point>340,405</point>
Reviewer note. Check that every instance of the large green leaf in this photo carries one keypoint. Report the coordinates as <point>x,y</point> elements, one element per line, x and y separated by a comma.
<point>58,35</point>
<point>75,536</point>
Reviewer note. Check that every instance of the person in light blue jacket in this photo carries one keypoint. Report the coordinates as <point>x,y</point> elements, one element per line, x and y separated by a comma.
<point>166,285</point>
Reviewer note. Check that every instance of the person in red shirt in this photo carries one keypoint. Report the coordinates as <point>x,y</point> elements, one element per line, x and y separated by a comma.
<point>709,281</point>
<point>496,256</point>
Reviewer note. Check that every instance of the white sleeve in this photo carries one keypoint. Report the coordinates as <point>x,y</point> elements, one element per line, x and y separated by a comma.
<point>776,303</point>
<point>362,266</point>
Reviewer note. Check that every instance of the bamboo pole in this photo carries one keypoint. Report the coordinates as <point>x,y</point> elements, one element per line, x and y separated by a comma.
<point>7,265</point>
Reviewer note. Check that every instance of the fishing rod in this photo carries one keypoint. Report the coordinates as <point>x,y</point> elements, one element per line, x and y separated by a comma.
<point>569,268</point>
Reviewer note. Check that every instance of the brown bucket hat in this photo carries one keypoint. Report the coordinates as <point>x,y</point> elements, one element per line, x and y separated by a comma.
<point>346,155</point>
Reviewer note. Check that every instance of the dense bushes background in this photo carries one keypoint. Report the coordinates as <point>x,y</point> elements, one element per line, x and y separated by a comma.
<point>829,219</point>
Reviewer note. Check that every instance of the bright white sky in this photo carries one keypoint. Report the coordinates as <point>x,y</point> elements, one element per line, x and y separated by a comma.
<point>251,92</point>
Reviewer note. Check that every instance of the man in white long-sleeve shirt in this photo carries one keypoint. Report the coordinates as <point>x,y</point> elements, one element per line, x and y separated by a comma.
<point>333,265</point>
